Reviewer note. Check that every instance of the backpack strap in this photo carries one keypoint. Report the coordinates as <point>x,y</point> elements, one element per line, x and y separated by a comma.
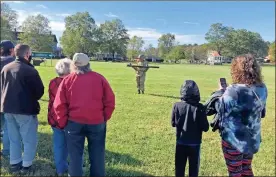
<point>258,98</point>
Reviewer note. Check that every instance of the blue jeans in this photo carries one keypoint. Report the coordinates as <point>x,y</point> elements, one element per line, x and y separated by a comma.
<point>5,139</point>
<point>22,128</point>
<point>75,136</point>
<point>60,150</point>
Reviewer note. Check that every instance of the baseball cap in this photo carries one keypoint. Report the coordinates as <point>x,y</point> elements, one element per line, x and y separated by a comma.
<point>6,45</point>
<point>80,59</point>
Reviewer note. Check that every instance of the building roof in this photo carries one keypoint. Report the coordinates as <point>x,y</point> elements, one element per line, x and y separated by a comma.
<point>17,36</point>
<point>215,54</point>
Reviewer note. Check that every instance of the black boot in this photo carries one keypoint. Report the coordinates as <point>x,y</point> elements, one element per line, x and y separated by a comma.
<point>16,167</point>
<point>139,92</point>
<point>26,170</point>
<point>142,91</point>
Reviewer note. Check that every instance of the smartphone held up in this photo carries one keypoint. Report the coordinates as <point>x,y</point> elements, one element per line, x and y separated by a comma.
<point>223,83</point>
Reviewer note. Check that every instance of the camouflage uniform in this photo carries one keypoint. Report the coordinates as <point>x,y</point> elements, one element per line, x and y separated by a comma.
<point>141,75</point>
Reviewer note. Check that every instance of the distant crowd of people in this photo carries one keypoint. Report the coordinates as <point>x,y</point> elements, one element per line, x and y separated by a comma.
<point>81,102</point>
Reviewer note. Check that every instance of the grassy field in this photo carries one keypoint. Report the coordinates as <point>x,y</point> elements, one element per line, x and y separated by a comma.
<point>140,140</point>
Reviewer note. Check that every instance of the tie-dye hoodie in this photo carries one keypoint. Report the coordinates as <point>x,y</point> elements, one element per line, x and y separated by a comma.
<point>241,112</point>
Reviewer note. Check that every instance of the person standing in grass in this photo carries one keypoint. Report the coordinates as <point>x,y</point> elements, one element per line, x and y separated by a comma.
<point>21,88</point>
<point>83,104</point>
<point>7,56</point>
<point>241,108</point>
<point>59,141</point>
<point>190,120</point>
<point>141,73</point>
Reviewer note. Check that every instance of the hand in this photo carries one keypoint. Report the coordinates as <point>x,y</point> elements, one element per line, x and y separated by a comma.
<point>221,88</point>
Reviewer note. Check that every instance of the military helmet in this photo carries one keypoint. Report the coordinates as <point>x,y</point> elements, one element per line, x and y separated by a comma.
<point>141,57</point>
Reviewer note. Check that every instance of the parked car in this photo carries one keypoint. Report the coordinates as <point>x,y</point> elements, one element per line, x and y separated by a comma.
<point>154,59</point>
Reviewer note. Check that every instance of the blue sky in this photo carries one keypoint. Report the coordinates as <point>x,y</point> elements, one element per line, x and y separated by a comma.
<point>189,21</point>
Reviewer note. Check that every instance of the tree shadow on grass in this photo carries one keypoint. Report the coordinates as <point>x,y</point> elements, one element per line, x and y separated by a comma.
<point>167,96</point>
<point>45,160</point>
<point>164,96</point>
<point>117,158</point>
<point>122,172</point>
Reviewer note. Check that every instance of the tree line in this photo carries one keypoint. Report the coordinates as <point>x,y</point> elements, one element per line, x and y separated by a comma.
<point>81,34</point>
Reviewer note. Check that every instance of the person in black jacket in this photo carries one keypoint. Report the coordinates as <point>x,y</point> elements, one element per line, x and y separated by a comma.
<point>21,88</point>
<point>190,120</point>
<point>7,56</point>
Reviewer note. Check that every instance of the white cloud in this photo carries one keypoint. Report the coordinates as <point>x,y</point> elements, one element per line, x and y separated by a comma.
<point>23,14</point>
<point>191,23</point>
<point>63,15</point>
<point>57,26</point>
<point>16,2</point>
<point>111,15</point>
<point>41,6</point>
<point>98,23</point>
<point>151,36</point>
<point>146,33</point>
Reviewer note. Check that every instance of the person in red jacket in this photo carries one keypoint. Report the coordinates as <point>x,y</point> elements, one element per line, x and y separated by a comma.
<point>59,141</point>
<point>83,104</point>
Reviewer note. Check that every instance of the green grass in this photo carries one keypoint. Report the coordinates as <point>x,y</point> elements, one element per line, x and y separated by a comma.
<point>140,140</point>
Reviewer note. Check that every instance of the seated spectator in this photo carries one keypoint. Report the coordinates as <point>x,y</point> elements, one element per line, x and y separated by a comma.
<point>21,88</point>
<point>7,56</point>
<point>59,141</point>
<point>83,104</point>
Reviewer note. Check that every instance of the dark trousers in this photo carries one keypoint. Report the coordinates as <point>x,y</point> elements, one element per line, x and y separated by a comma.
<point>184,152</point>
<point>75,137</point>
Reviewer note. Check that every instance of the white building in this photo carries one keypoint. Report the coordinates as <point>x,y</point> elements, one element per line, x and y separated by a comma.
<point>215,59</point>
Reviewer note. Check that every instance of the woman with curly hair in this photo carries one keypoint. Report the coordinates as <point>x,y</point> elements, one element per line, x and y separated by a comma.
<point>241,108</point>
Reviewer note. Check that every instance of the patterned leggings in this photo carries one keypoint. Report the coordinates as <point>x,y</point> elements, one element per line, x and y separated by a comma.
<point>238,164</point>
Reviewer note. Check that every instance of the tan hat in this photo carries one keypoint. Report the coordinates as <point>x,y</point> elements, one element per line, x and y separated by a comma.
<point>141,57</point>
<point>80,59</point>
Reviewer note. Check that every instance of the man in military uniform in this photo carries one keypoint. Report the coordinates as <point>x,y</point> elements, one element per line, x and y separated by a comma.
<point>141,73</point>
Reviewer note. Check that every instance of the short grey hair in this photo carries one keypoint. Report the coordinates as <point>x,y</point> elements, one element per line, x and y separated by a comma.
<point>63,67</point>
<point>80,69</point>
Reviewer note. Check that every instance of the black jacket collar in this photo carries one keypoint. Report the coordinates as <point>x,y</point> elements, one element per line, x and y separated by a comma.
<point>23,60</point>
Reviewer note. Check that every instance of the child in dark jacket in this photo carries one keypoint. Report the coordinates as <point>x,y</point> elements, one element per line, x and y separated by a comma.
<point>190,120</point>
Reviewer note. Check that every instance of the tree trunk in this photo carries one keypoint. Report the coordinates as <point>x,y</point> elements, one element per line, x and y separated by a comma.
<point>113,54</point>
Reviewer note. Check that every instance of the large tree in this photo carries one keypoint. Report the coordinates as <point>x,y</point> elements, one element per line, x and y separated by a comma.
<point>80,34</point>
<point>135,45</point>
<point>242,41</point>
<point>272,51</point>
<point>150,50</point>
<point>114,37</point>
<point>37,33</point>
<point>217,36</point>
<point>177,53</point>
<point>165,44</point>
<point>201,51</point>
<point>9,14</point>
<point>6,32</point>
<point>8,22</point>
